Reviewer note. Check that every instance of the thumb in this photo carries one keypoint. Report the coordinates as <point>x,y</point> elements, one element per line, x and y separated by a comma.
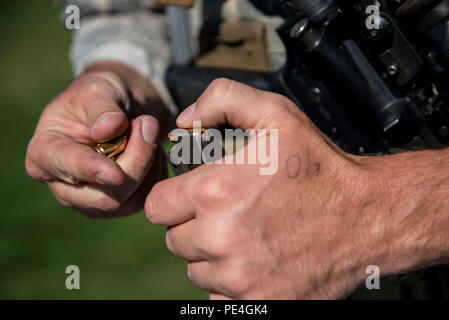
<point>103,99</point>
<point>233,103</point>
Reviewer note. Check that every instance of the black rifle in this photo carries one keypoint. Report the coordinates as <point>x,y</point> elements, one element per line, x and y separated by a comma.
<point>371,90</point>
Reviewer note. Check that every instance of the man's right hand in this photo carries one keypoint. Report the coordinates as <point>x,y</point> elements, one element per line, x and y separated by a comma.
<point>96,107</point>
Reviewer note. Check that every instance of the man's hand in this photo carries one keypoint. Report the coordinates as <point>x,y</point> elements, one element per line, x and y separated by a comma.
<point>250,236</point>
<point>96,107</point>
<point>310,230</point>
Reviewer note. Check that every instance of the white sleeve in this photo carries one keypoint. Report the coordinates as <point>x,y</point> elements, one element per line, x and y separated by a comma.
<point>130,32</point>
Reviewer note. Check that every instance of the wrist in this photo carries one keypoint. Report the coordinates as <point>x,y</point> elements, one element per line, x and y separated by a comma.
<point>405,203</point>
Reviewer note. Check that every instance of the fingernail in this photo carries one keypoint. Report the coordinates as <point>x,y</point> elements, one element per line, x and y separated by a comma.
<point>187,114</point>
<point>105,117</point>
<point>150,130</point>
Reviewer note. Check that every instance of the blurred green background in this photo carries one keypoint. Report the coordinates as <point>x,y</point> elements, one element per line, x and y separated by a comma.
<point>124,258</point>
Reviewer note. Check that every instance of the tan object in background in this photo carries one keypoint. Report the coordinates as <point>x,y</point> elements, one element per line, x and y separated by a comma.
<point>240,45</point>
<point>182,3</point>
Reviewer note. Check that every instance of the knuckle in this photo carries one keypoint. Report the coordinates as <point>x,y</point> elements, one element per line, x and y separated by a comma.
<point>62,197</point>
<point>219,88</point>
<point>151,203</point>
<point>281,103</point>
<point>40,148</point>
<point>63,201</point>
<point>106,204</point>
<point>215,243</point>
<point>190,271</point>
<point>36,157</point>
<point>277,102</point>
<point>212,189</point>
<point>31,169</point>
<point>110,205</point>
<point>169,242</point>
<point>149,209</point>
<point>93,86</point>
<point>194,275</point>
<point>236,281</point>
<point>280,109</point>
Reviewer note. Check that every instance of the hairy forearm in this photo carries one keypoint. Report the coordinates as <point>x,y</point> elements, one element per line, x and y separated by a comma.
<point>143,94</point>
<point>408,208</point>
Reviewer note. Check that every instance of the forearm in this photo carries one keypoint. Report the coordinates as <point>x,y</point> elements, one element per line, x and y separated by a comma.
<point>408,209</point>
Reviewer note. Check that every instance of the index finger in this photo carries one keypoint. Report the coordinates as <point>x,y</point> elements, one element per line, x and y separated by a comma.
<point>229,102</point>
<point>170,201</point>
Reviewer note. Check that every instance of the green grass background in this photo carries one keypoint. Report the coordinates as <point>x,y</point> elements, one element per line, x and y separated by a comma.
<point>119,259</point>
